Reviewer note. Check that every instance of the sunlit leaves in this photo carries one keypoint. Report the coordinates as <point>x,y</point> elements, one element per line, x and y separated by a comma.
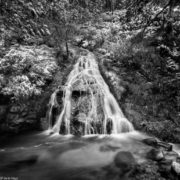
<point>24,71</point>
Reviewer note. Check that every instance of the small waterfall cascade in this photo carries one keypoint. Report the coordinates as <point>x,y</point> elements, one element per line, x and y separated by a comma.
<point>88,107</point>
<point>52,103</point>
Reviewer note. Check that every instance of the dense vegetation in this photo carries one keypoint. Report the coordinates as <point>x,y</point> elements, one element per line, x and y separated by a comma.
<point>137,41</point>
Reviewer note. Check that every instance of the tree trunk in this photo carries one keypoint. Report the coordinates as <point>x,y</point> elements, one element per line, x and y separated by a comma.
<point>108,4</point>
<point>67,47</point>
<point>152,20</point>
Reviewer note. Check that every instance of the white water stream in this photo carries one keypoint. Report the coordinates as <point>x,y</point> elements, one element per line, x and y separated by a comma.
<point>86,73</point>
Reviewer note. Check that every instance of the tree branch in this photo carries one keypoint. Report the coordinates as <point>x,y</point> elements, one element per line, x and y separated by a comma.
<point>151,21</point>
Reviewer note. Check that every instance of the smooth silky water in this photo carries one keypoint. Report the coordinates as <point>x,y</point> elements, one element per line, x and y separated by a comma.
<point>41,156</point>
<point>86,73</point>
<point>50,155</point>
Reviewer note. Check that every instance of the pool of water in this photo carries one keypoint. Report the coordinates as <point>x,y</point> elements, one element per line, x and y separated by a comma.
<point>49,157</point>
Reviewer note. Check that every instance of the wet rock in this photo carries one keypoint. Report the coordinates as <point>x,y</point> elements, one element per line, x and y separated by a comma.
<point>153,142</point>
<point>167,146</point>
<point>155,154</point>
<point>176,167</point>
<point>44,123</point>
<point>150,141</point>
<point>122,167</point>
<point>171,155</point>
<point>165,165</point>
<point>125,161</point>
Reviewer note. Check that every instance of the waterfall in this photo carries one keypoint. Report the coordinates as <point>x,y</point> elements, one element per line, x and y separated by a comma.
<point>98,110</point>
<point>52,103</point>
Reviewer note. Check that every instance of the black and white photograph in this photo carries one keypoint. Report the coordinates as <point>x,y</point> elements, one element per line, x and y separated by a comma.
<point>89,89</point>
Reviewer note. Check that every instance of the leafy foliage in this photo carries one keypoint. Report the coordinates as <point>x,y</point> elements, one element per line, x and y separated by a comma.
<point>24,71</point>
<point>36,22</point>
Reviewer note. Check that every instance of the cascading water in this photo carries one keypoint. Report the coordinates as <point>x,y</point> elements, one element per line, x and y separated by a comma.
<point>52,103</point>
<point>101,110</point>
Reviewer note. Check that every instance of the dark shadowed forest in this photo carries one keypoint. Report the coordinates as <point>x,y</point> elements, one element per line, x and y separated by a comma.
<point>71,67</point>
